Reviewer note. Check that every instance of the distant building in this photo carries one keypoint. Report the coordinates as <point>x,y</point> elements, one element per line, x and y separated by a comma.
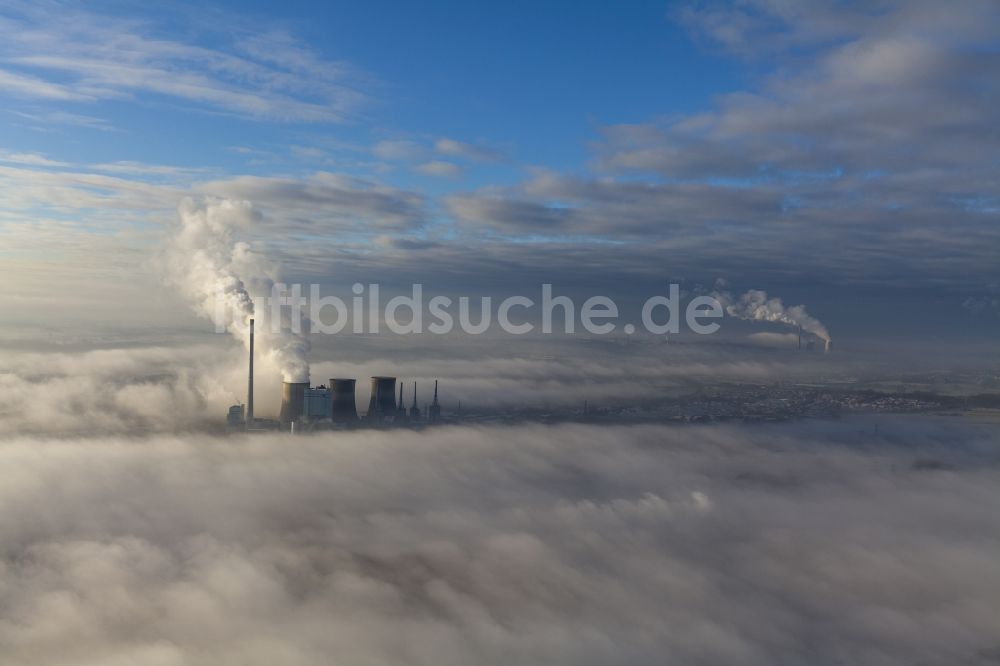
<point>382,404</point>
<point>344,408</point>
<point>236,417</point>
<point>306,408</point>
<point>318,404</point>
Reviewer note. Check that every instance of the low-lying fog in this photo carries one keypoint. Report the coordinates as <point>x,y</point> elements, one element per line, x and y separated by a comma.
<point>867,541</point>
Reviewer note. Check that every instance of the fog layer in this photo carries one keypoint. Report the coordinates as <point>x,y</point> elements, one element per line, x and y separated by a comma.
<point>825,543</point>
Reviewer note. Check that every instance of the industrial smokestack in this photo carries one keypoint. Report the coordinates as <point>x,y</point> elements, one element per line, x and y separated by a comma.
<point>755,305</point>
<point>401,406</point>
<point>344,408</point>
<point>434,411</point>
<point>800,337</point>
<point>249,415</point>
<point>383,399</point>
<point>414,410</point>
<point>828,346</point>
<point>293,401</point>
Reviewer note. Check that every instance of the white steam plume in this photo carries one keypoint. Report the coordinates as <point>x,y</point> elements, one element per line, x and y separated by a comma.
<point>217,274</point>
<point>755,305</point>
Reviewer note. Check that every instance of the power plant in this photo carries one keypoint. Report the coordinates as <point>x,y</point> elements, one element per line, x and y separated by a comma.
<point>293,402</point>
<point>309,408</point>
<point>811,343</point>
<point>344,408</point>
<point>304,407</point>
<point>382,404</point>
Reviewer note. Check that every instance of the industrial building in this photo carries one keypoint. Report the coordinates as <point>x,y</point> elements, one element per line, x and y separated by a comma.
<point>304,407</point>
<point>811,344</point>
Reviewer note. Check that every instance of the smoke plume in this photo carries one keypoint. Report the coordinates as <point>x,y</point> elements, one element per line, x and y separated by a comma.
<point>755,305</point>
<point>220,276</point>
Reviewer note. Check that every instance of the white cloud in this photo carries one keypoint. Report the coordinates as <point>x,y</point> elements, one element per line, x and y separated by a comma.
<point>440,169</point>
<point>30,159</point>
<point>323,200</point>
<point>568,545</point>
<point>398,150</point>
<point>77,55</point>
<point>477,153</point>
<point>46,119</point>
<point>31,87</point>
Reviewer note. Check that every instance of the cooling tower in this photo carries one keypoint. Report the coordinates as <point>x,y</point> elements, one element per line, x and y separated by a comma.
<point>383,400</point>
<point>293,401</point>
<point>344,408</point>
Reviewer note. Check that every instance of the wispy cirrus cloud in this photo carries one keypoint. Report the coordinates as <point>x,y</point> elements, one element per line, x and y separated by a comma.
<point>468,151</point>
<point>33,87</point>
<point>440,169</point>
<point>408,150</point>
<point>45,120</point>
<point>30,159</point>
<point>82,56</point>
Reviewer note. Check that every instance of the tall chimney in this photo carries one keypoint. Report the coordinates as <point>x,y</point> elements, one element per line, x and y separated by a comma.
<point>293,401</point>
<point>828,346</point>
<point>800,337</point>
<point>401,406</point>
<point>249,414</point>
<point>414,410</point>
<point>344,408</point>
<point>434,411</point>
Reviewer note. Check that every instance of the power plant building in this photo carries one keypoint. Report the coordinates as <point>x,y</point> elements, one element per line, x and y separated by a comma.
<point>305,406</point>
<point>382,404</point>
<point>235,417</point>
<point>318,404</point>
<point>343,408</point>
<point>293,398</point>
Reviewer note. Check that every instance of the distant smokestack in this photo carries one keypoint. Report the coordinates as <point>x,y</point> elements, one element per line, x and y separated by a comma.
<point>293,401</point>
<point>344,409</point>
<point>383,398</point>
<point>434,411</point>
<point>800,337</point>
<point>249,416</point>
<point>414,410</point>
<point>828,346</point>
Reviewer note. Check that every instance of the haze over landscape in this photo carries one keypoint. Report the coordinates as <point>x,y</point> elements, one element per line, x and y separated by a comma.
<point>815,482</point>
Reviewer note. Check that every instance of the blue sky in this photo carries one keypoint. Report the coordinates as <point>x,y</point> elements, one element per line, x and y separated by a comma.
<point>533,82</point>
<point>805,149</point>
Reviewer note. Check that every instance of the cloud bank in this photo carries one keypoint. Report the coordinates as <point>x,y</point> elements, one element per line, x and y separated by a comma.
<point>569,545</point>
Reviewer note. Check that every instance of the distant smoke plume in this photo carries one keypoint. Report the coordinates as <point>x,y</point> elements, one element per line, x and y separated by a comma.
<point>755,305</point>
<point>219,276</point>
